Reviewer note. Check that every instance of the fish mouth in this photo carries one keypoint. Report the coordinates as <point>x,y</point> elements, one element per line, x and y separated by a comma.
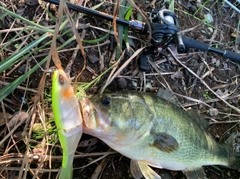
<point>94,117</point>
<point>85,110</point>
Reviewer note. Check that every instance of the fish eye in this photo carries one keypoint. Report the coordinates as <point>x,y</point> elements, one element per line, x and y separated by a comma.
<point>61,79</point>
<point>106,101</point>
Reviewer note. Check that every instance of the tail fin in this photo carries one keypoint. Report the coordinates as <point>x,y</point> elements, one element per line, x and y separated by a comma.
<point>66,173</point>
<point>234,143</point>
<point>235,163</point>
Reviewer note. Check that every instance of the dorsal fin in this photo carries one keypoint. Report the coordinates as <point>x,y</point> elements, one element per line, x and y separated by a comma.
<point>201,121</point>
<point>168,95</point>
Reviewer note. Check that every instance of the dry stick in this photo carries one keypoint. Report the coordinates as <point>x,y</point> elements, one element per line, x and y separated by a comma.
<point>157,70</point>
<point>115,25</point>
<point>214,32</point>
<point>18,157</point>
<point>19,109</point>
<point>99,169</point>
<point>86,47</point>
<point>86,26</point>
<point>203,82</point>
<point>224,122</point>
<point>101,56</point>
<point>43,144</point>
<point>190,29</point>
<point>94,161</point>
<point>111,77</point>
<point>71,61</point>
<point>197,101</point>
<point>127,62</point>
<point>15,67</point>
<point>33,170</point>
<point>53,49</point>
<point>216,99</point>
<point>13,130</point>
<point>78,38</point>
<point>200,69</point>
<point>112,73</point>
<point>19,87</point>
<point>10,147</point>
<point>225,85</point>
<point>25,160</point>
<point>8,31</point>
<point>144,81</point>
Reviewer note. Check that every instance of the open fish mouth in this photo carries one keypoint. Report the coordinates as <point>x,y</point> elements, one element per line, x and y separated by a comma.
<point>94,118</point>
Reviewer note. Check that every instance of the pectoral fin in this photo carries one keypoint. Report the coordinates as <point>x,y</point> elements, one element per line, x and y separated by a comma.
<point>147,172</point>
<point>195,174</point>
<point>164,142</point>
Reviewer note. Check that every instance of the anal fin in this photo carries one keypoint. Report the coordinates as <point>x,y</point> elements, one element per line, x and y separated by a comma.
<point>195,173</point>
<point>142,168</point>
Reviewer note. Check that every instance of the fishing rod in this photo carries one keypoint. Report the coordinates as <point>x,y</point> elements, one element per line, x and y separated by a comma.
<point>165,29</point>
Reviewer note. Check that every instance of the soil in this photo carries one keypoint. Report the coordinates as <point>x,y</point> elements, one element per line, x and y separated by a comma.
<point>194,92</point>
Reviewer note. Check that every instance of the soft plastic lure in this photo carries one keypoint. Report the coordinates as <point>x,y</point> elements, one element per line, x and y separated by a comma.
<point>68,119</point>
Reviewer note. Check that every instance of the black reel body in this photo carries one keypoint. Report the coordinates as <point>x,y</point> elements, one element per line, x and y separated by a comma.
<point>164,25</point>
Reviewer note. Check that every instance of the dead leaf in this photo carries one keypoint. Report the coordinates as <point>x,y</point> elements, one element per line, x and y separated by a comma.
<point>177,75</point>
<point>2,118</point>
<point>18,117</point>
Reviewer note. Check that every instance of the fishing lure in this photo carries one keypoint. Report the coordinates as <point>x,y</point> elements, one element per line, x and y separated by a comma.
<point>68,119</point>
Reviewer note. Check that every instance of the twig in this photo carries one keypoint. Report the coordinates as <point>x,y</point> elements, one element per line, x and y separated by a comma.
<point>203,82</point>
<point>99,169</point>
<point>112,73</point>
<point>19,87</point>
<point>195,80</point>
<point>18,157</point>
<point>111,78</point>
<point>78,38</point>
<point>157,70</point>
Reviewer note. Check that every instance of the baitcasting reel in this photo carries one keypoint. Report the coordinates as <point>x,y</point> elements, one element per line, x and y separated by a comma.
<point>165,29</point>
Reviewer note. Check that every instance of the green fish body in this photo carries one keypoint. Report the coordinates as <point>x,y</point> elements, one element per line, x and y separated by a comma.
<point>68,120</point>
<point>153,131</point>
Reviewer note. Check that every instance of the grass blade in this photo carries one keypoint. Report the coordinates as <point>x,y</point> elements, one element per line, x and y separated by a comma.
<point>12,86</point>
<point>16,57</point>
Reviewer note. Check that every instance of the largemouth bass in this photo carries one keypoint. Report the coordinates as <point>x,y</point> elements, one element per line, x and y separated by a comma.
<point>68,120</point>
<point>152,131</point>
